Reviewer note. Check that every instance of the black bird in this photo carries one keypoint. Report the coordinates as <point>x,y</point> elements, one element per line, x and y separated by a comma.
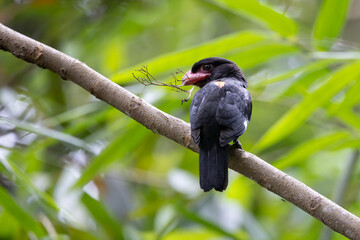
<point>219,113</point>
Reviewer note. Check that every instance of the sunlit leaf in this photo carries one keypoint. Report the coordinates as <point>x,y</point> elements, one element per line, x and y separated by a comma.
<point>352,97</point>
<point>329,23</point>
<point>147,209</point>
<point>190,234</point>
<point>80,234</point>
<point>259,53</point>
<point>117,149</point>
<point>26,183</point>
<point>351,143</point>
<point>166,220</point>
<point>299,70</point>
<point>33,153</point>
<point>241,190</point>
<point>73,114</point>
<point>303,82</point>
<point>204,222</point>
<point>175,60</point>
<point>296,116</point>
<point>303,151</point>
<point>348,55</point>
<point>40,130</point>
<point>103,217</point>
<point>20,214</point>
<point>9,225</point>
<point>262,14</point>
<point>113,54</point>
<point>349,117</point>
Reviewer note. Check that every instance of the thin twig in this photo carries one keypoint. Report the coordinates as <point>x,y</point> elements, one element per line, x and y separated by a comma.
<point>147,79</point>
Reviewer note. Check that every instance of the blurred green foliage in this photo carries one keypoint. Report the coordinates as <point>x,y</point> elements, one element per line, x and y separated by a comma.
<point>75,168</point>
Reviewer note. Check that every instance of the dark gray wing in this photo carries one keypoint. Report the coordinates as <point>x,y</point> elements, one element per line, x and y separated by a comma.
<point>203,109</point>
<point>234,112</point>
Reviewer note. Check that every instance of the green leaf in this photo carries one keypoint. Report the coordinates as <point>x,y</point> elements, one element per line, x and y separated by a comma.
<point>30,127</point>
<point>73,114</point>
<point>166,220</point>
<point>186,57</point>
<point>20,214</point>
<point>25,181</point>
<point>147,209</point>
<point>296,116</point>
<point>79,234</point>
<point>190,234</point>
<point>309,67</point>
<point>9,225</point>
<point>261,14</point>
<point>204,222</point>
<point>33,153</point>
<point>349,117</point>
<point>330,22</point>
<point>303,151</point>
<point>343,56</point>
<point>103,217</point>
<point>117,149</point>
<point>198,235</point>
<point>259,53</point>
<point>352,97</point>
<point>304,81</point>
<point>352,143</point>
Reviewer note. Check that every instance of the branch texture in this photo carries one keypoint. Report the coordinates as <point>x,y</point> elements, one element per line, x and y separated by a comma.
<point>177,130</point>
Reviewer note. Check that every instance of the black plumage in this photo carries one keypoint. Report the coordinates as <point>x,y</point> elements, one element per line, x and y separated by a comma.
<point>220,112</point>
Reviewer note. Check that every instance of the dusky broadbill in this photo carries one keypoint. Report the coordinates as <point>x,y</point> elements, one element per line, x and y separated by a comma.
<point>220,112</point>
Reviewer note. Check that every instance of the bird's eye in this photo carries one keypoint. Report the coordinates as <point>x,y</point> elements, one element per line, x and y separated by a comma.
<point>207,67</point>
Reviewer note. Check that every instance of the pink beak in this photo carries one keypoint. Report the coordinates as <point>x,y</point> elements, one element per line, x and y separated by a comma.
<point>192,78</point>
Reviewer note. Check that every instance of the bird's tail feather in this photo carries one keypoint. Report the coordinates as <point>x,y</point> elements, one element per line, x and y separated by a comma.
<point>213,165</point>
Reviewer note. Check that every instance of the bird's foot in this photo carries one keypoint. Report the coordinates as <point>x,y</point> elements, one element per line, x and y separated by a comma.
<point>237,144</point>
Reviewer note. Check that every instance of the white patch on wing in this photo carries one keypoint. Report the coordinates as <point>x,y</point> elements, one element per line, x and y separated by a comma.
<point>202,100</point>
<point>245,124</point>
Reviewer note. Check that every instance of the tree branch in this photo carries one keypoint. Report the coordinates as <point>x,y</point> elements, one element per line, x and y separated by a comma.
<point>177,130</point>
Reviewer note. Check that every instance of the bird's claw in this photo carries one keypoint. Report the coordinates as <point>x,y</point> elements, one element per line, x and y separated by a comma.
<point>237,144</point>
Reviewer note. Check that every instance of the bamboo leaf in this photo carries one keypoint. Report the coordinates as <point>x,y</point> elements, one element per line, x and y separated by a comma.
<point>246,57</point>
<point>20,214</point>
<point>33,128</point>
<point>103,217</point>
<point>349,117</point>
<point>330,22</point>
<point>352,143</point>
<point>352,97</point>
<point>261,14</point>
<point>73,114</point>
<point>259,53</point>
<point>113,151</point>
<point>197,234</point>
<point>25,181</point>
<point>204,222</point>
<point>303,151</point>
<point>186,57</point>
<point>9,225</point>
<point>296,116</point>
<point>348,55</point>
<point>306,68</point>
<point>302,83</point>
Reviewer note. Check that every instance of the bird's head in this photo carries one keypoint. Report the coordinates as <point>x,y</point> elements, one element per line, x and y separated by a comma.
<point>212,69</point>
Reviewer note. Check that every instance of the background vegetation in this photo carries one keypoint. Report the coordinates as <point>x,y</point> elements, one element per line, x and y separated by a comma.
<point>74,168</point>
